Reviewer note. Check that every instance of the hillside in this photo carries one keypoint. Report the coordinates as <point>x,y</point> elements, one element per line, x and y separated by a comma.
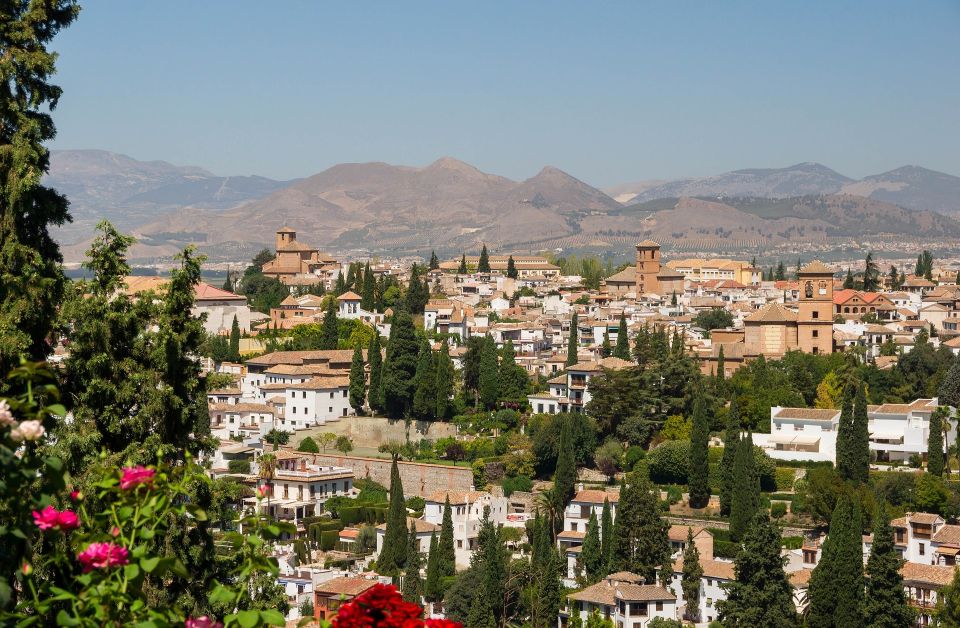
<point>913,187</point>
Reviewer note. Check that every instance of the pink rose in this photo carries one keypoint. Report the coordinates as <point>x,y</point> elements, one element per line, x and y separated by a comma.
<point>102,556</point>
<point>46,519</point>
<point>263,491</point>
<point>6,417</point>
<point>75,495</point>
<point>68,520</point>
<point>202,622</point>
<point>132,477</point>
<point>27,430</point>
<point>27,569</point>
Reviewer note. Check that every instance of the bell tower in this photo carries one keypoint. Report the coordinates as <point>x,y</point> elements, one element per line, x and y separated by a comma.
<point>815,320</point>
<point>648,267</point>
<point>285,236</point>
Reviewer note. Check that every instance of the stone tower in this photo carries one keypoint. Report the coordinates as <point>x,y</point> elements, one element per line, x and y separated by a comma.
<point>648,267</point>
<point>815,319</point>
<point>285,236</point>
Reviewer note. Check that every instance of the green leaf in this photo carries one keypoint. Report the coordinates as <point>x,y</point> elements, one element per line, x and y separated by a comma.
<point>149,564</point>
<point>220,595</point>
<point>125,512</point>
<point>4,592</point>
<point>273,618</point>
<point>57,410</point>
<point>54,463</point>
<point>146,534</point>
<point>131,571</point>
<point>63,619</point>
<point>248,619</point>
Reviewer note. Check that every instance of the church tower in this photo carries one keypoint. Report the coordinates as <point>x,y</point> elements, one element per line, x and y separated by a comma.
<point>815,320</point>
<point>648,267</point>
<point>285,236</point>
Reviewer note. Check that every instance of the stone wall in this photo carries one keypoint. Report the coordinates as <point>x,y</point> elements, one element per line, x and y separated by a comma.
<point>371,432</point>
<point>418,478</point>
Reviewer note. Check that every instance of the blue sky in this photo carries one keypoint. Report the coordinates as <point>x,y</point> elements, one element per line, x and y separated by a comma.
<point>608,91</point>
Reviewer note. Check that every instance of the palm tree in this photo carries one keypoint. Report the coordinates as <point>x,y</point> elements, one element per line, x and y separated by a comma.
<point>546,504</point>
<point>268,467</point>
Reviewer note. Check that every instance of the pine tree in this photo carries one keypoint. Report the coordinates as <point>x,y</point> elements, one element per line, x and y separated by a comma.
<point>462,268</point>
<point>412,582</point>
<point>483,265</point>
<point>431,587</point>
<point>445,551</point>
<point>698,477</point>
<point>565,476</point>
<point>949,392</point>
<point>445,375</point>
<point>860,441</point>
<point>606,537</point>
<point>32,287</point>
<point>893,278</point>
<point>745,496</point>
<point>690,581</point>
<point>605,349</point>
<point>512,268</point>
<point>434,261</point>
<point>368,292</point>
<point>845,446</point>
<point>572,342</point>
<point>329,330</point>
<point>235,341</point>
<point>885,603</point>
<point>761,595</point>
<point>490,561</point>
<point>590,555</point>
<point>489,374</point>
<point>358,381</point>
<point>340,286</point>
<point>836,591</point>
<point>640,541</point>
<point>425,381</point>
<point>731,440</point>
<point>393,556</point>
<point>513,378</point>
<point>622,348</point>
<point>375,360</point>
<point>935,456</point>
<point>400,366</point>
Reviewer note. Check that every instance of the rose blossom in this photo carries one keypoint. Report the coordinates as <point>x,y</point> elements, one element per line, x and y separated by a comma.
<point>102,556</point>
<point>27,430</point>
<point>6,417</point>
<point>263,491</point>
<point>132,477</point>
<point>51,519</point>
<point>76,495</point>
<point>202,622</point>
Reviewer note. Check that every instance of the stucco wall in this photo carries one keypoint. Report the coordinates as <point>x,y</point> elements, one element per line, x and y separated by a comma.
<point>418,478</point>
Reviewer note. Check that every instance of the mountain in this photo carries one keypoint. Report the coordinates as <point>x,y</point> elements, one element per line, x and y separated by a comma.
<point>448,205</point>
<point>913,187</point>
<point>129,192</point>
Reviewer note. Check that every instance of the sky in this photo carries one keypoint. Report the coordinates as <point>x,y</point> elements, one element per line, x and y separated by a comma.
<point>610,92</point>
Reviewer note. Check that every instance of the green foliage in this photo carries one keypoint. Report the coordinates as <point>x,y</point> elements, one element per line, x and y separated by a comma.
<point>745,494</point>
<point>446,554</point>
<point>935,455</point>
<point>731,440</point>
<point>948,602</point>
<point>238,466</point>
<point>519,483</point>
<point>572,342</point>
<point>885,602</point>
<point>714,318</point>
<point>949,391</point>
<point>622,348</point>
<point>263,293</point>
<point>931,494</point>
<point>690,580</point>
<point>412,582</point>
<point>400,366</point>
<point>374,358</point>
<point>393,556</point>
<point>669,462</point>
<point>544,431</point>
<point>565,476</point>
<point>676,428</point>
<point>590,555</point>
<point>445,381</point>
<point>308,445</point>
<point>489,381</point>
<point>784,478</point>
<point>778,510</point>
<point>483,265</point>
<point>698,473</point>
<point>640,542</point>
<point>358,381</point>
<point>425,384</point>
<point>343,444</point>
<point>836,591</point>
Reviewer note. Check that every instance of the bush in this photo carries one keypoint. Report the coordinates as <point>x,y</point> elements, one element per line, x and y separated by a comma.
<point>370,491</point>
<point>521,483</point>
<point>308,445</point>
<point>725,549</point>
<point>916,461</point>
<point>792,542</point>
<point>328,540</point>
<point>896,487</point>
<point>674,494</point>
<point>669,463</point>
<point>714,454</point>
<point>778,510</point>
<point>634,454</point>
<point>479,474</point>
<point>416,504</point>
<point>239,466</point>
<point>784,478</point>
<point>805,464</point>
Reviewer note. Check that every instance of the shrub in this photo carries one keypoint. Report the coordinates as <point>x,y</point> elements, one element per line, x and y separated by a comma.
<point>634,454</point>
<point>674,494</point>
<point>520,483</point>
<point>669,462</point>
<point>778,510</point>
<point>239,466</point>
<point>725,549</point>
<point>309,445</point>
<point>784,478</point>
<point>370,491</point>
<point>416,503</point>
<point>896,487</point>
<point>792,542</point>
<point>479,474</point>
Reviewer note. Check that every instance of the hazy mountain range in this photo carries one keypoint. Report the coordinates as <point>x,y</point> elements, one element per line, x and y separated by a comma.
<point>452,206</point>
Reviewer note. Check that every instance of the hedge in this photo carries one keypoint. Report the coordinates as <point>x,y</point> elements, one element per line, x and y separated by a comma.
<point>784,477</point>
<point>805,464</point>
<point>364,514</point>
<point>725,549</point>
<point>670,461</point>
<point>792,542</point>
<point>328,540</point>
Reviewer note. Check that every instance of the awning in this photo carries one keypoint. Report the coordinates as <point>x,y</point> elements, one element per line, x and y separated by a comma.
<point>887,436</point>
<point>793,438</point>
<point>948,551</point>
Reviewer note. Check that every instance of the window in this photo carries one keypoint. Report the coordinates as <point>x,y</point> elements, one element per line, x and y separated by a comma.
<point>573,526</point>
<point>330,410</point>
<point>659,606</point>
<point>816,332</point>
<point>922,549</point>
<point>294,409</point>
<point>344,394</point>
<point>816,315</point>
<point>459,544</point>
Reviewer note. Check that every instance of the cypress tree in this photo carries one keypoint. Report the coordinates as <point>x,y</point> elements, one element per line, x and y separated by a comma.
<point>546,567</point>
<point>605,349</point>
<point>511,268</point>
<point>489,374</point>
<point>565,476</point>
<point>358,381</point>
<point>431,588</point>
<point>643,348</point>
<point>490,562</point>
<point>761,595</point>
<point>745,496</point>
<point>434,261</point>
<point>375,360</point>
<point>640,541</point>
<point>885,603</point>
<point>340,286</point>
<point>860,441</point>
<point>572,342</point>
<point>949,393</point>
<point>730,442</point>
<point>698,477</point>
<point>412,582</point>
<point>483,265</point>
<point>622,348</point>
<point>845,462</point>
<point>606,537</point>
<point>368,294</point>
<point>425,397</point>
<point>393,556</point>
<point>400,366</point>
<point>445,375</point>
<point>721,368</point>
<point>235,341</point>
<point>513,378</point>
<point>446,555</point>
<point>690,580</point>
<point>836,586</point>
<point>948,602</point>
<point>462,268</point>
<point>935,456</point>
<point>351,276</point>
<point>329,332</point>
<point>591,554</point>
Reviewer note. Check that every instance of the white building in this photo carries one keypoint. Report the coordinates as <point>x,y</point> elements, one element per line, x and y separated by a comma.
<point>466,509</point>
<point>624,599</point>
<point>570,392</point>
<point>424,529</point>
<point>220,308</point>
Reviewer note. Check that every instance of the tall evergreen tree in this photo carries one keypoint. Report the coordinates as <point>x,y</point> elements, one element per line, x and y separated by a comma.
<point>444,386</point>
<point>935,455</point>
<point>565,476</point>
<point>949,392</point>
<point>731,441</point>
<point>948,602</point>
<point>483,265</point>
<point>434,261</point>
<point>490,561</point>
<point>698,477</point>
<point>572,342</point>
<point>622,348</point>
<point>761,594</point>
<point>512,268</point>
<point>640,541</point>
<point>885,602</point>
<point>462,268</point>
<point>368,293</point>
<point>861,437</point>
<point>721,370</point>
<point>745,496</point>
<point>445,551</point>
<point>871,274</point>
<point>848,282</point>
<point>606,537</point>
<point>340,286</point>
<point>893,278</point>
<point>400,366</point>
<point>513,378</point>
<point>412,582</point>
<point>375,360</point>
<point>358,381</point>
<point>845,436</point>
<point>836,591</point>
<point>690,580</point>
<point>431,587</point>
<point>489,374</point>
<point>32,284</point>
<point>606,350</point>
<point>425,380</point>
<point>329,330</point>
<point>545,570</point>
<point>418,292</point>
<point>235,341</point>
<point>591,553</point>
<point>393,557</point>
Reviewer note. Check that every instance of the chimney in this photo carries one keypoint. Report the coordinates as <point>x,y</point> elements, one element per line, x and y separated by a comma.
<point>579,487</point>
